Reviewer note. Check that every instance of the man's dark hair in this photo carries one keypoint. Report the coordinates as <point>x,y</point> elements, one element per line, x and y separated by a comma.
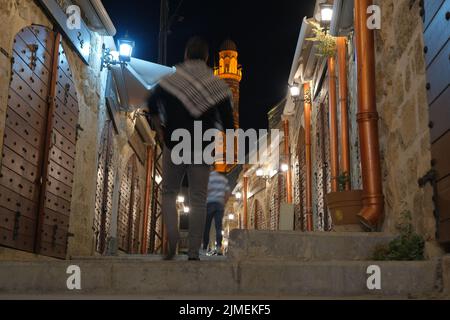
<point>197,49</point>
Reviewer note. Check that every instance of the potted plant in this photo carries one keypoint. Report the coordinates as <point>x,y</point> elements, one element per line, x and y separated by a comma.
<point>325,43</point>
<point>345,205</point>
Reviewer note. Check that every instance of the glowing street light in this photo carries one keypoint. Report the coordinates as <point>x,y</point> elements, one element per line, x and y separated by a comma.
<point>295,91</point>
<point>238,195</point>
<point>112,58</point>
<point>231,216</point>
<point>126,47</point>
<point>260,172</point>
<point>186,209</point>
<point>284,167</point>
<point>326,13</point>
<point>180,199</point>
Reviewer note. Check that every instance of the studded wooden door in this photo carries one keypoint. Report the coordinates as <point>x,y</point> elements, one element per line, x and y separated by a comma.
<point>105,188</point>
<point>39,146</point>
<point>299,190</point>
<point>274,209</point>
<point>322,168</point>
<point>129,209</point>
<point>436,16</point>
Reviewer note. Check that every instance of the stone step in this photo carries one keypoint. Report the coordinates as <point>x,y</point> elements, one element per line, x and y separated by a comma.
<point>313,246</point>
<point>262,278</point>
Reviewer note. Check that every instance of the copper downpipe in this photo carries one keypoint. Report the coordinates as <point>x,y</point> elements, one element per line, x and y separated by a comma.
<point>343,90</point>
<point>307,111</point>
<point>373,199</point>
<point>148,187</point>
<point>245,200</point>
<point>334,133</point>
<point>287,155</point>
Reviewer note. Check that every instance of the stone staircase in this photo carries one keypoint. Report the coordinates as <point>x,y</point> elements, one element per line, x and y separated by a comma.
<point>260,265</point>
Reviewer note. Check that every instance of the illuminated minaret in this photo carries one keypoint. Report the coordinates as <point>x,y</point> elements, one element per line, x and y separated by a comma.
<point>231,72</point>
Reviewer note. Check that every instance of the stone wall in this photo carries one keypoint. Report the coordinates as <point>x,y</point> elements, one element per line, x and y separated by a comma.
<point>90,85</point>
<point>403,108</point>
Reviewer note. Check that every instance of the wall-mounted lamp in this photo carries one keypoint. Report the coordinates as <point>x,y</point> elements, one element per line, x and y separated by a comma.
<point>295,91</point>
<point>264,174</point>
<point>284,167</point>
<point>326,13</point>
<point>238,196</point>
<point>180,199</point>
<point>259,172</point>
<point>112,58</point>
<point>186,210</point>
<point>231,216</point>
<point>126,47</point>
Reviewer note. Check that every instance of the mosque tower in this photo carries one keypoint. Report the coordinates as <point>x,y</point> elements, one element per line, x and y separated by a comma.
<point>230,71</point>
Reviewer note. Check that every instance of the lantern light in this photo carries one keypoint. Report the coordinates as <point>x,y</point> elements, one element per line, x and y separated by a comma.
<point>260,172</point>
<point>180,199</point>
<point>295,91</point>
<point>186,209</point>
<point>231,216</point>
<point>126,47</point>
<point>284,167</point>
<point>112,58</point>
<point>238,195</point>
<point>326,12</point>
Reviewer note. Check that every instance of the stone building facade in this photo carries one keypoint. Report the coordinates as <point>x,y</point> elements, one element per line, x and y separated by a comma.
<point>114,194</point>
<point>403,108</point>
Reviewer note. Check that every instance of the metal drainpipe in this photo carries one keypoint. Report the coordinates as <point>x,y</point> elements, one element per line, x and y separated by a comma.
<point>343,90</point>
<point>307,110</point>
<point>373,199</point>
<point>334,133</point>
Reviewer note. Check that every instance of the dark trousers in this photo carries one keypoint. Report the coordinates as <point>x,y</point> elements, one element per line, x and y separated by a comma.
<point>214,211</point>
<point>198,177</point>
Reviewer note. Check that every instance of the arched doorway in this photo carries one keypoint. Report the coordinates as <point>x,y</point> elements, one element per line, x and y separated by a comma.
<point>274,208</point>
<point>322,171</point>
<point>39,146</point>
<point>300,183</point>
<point>260,220</point>
<point>129,209</point>
<point>104,190</point>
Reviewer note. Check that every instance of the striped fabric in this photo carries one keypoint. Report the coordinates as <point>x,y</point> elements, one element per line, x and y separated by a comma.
<point>195,85</point>
<point>218,187</point>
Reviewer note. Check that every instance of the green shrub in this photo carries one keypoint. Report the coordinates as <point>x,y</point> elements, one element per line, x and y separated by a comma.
<point>409,246</point>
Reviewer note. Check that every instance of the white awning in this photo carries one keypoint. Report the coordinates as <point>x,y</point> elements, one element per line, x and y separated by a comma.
<point>135,81</point>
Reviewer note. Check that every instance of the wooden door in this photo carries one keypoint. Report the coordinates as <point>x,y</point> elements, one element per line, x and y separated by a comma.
<point>437,54</point>
<point>39,146</point>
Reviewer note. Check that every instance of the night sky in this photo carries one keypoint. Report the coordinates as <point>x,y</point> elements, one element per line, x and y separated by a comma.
<point>266,34</point>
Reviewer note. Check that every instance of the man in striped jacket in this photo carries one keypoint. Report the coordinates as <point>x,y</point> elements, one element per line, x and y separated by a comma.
<point>218,195</point>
